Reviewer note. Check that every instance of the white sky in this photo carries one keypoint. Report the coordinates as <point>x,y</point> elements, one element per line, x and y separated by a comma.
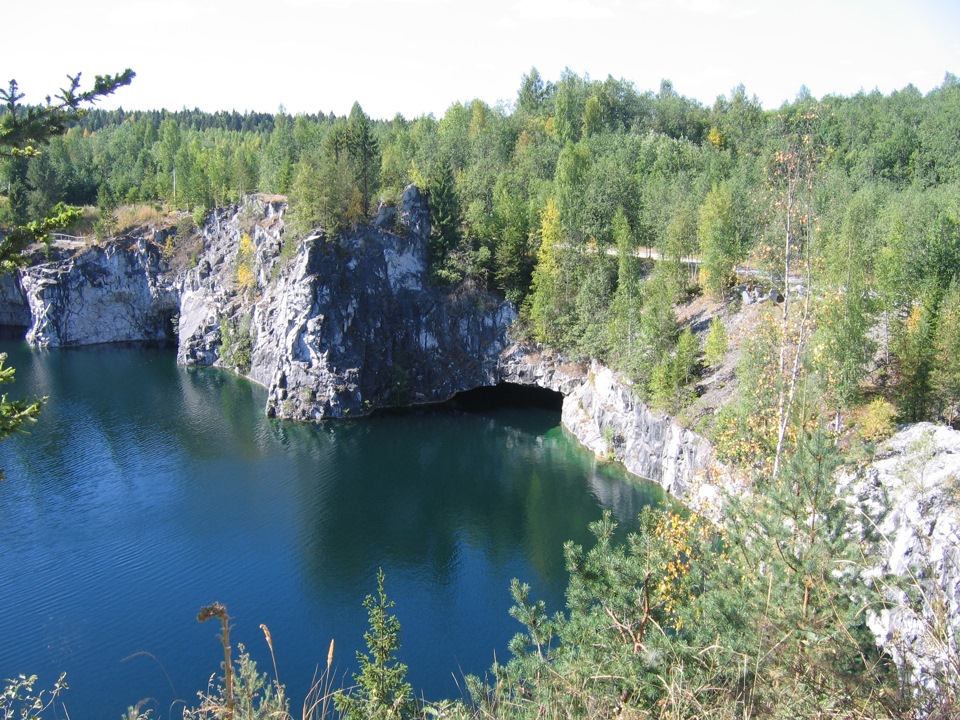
<point>420,56</point>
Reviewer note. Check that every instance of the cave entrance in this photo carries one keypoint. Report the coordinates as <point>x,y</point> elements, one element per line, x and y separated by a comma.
<point>13,332</point>
<point>507,395</point>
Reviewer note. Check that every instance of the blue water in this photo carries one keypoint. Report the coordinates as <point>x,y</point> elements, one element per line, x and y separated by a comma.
<point>147,490</point>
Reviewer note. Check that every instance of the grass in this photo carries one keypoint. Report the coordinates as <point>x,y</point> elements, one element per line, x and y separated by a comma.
<point>134,216</point>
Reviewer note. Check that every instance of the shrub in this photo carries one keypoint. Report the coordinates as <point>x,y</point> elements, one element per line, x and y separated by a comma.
<point>19,700</point>
<point>715,345</point>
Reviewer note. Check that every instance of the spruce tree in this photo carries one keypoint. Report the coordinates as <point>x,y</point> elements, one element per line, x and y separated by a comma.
<point>382,691</point>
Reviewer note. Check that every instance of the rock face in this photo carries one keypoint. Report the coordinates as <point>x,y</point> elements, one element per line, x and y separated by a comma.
<point>103,294</point>
<point>210,291</point>
<point>913,490</point>
<point>14,311</point>
<point>352,324</point>
<point>603,413</point>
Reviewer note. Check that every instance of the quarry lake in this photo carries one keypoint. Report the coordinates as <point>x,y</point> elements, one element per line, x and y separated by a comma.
<point>147,490</point>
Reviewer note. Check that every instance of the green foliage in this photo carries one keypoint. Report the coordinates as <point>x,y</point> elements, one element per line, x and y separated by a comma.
<point>382,690</point>
<point>945,375</point>
<point>236,343</point>
<point>721,244</point>
<point>363,149</point>
<point>657,329</point>
<point>547,302</point>
<point>914,353</point>
<point>106,224</point>
<point>321,190</point>
<point>875,421</point>
<point>793,586</point>
<point>444,215</point>
<point>592,307</point>
<point>24,129</point>
<point>14,414</point>
<point>670,380</point>
<point>715,345</point>
<point>12,246</point>
<point>254,696</point>
<point>629,607</point>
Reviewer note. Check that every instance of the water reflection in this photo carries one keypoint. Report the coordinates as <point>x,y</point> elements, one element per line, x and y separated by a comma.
<point>147,490</point>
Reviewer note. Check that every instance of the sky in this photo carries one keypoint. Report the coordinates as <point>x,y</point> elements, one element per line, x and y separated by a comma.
<point>416,57</point>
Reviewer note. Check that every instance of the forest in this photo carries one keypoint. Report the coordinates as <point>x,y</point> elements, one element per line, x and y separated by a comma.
<point>845,210</point>
<point>554,201</point>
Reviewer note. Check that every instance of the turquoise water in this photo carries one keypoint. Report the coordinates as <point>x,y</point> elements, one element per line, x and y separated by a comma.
<point>147,491</point>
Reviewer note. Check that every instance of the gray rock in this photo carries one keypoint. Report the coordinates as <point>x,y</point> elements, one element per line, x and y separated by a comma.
<point>14,310</point>
<point>108,293</point>
<point>601,410</point>
<point>352,324</point>
<point>912,495</point>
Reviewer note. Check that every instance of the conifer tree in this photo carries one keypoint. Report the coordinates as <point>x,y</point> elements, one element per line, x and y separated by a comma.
<point>23,132</point>
<point>382,691</point>
<point>364,151</point>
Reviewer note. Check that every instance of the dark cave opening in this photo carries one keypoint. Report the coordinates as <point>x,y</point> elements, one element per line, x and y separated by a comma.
<point>507,395</point>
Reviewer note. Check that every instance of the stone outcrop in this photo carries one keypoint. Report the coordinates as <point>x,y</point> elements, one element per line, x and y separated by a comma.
<point>210,292</point>
<point>103,294</point>
<point>353,324</point>
<point>601,410</point>
<point>911,492</point>
<point>607,417</point>
<point>14,311</point>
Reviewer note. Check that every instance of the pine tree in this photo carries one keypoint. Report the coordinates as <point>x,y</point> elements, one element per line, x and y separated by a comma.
<point>382,691</point>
